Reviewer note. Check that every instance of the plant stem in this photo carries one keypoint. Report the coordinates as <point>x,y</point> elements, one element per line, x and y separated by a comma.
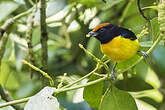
<point>62,80</point>
<point>39,70</point>
<point>80,86</point>
<point>96,59</point>
<point>14,102</point>
<point>82,77</point>
<point>44,36</point>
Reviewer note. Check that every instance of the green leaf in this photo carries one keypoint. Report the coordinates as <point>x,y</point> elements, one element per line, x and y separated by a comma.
<point>8,77</point>
<point>158,60</point>
<point>92,94</point>
<point>147,74</point>
<point>144,106</point>
<point>6,8</point>
<point>115,99</point>
<point>154,94</point>
<point>43,100</point>
<point>155,28</point>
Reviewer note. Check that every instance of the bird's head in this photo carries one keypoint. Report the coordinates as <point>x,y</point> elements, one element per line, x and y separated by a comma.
<point>103,32</point>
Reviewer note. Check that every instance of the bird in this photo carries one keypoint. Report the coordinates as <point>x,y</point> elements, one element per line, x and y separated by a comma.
<point>117,43</point>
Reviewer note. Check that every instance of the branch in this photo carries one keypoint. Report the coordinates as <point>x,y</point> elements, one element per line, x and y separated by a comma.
<point>82,78</point>
<point>44,36</point>
<point>96,59</point>
<point>14,102</point>
<point>42,72</point>
<point>80,86</point>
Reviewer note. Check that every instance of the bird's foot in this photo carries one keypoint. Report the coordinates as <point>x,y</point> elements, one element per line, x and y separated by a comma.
<point>113,76</point>
<point>145,55</point>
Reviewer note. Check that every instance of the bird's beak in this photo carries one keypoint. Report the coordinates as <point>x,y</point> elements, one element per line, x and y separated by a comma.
<point>92,34</point>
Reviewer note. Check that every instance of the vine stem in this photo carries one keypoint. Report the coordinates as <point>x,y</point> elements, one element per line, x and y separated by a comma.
<point>82,77</point>
<point>80,86</point>
<point>96,59</point>
<point>39,70</point>
<point>14,102</point>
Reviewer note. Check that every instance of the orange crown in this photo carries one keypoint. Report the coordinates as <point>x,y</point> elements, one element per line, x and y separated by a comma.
<point>100,26</point>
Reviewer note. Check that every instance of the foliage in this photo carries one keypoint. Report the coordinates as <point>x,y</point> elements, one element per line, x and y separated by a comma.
<point>74,61</point>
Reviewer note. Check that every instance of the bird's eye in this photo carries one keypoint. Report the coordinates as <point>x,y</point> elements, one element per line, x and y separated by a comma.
<point>101,29</point>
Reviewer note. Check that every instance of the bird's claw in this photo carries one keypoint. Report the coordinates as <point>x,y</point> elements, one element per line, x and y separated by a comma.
<point>113,76</point>
<point>145,55</point>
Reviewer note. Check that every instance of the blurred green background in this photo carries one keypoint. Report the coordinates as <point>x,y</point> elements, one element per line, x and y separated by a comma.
<point>68,22</point>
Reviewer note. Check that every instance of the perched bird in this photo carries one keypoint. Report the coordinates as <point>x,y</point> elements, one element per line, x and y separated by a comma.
<point>118,43</point>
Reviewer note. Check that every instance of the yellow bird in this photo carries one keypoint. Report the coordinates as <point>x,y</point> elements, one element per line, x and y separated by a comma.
<point>118,43</point>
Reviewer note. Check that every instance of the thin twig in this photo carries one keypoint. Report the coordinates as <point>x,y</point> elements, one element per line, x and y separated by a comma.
<point>87,75</point>
<point>14,102</point>
<point>42,72</point>
<point>96,59</point>
<point>44,35</point>
<point>80,86</point>
<point>62,81</point>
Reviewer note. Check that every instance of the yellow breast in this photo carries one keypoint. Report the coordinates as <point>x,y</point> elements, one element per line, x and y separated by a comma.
<point>120,49</point>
